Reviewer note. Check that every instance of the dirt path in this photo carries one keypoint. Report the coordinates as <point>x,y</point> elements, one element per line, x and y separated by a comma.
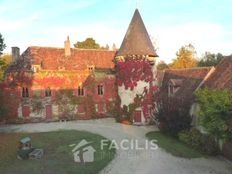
<point>133,161</point>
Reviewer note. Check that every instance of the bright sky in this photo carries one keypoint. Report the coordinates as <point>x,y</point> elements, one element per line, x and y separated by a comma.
<point>207,24</point>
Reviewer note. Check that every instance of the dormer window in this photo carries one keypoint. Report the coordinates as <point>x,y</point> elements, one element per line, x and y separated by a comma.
<point>25,92</point>
<point>173,86</point>
<point>61,68</point>
<point>80,91</point>
<point>35,68</point>
<point>48,92</point>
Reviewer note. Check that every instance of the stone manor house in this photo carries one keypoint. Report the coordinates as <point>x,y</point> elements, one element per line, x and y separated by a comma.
<point>46,83</point>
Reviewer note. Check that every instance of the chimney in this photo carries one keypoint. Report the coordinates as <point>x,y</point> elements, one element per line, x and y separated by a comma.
<point>67,50</point>
<point>15,53</point>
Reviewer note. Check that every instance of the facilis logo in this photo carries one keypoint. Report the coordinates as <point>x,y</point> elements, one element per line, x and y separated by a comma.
<point>132,144</point>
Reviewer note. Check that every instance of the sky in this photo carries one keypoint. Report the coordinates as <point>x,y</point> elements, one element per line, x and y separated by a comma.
<point>206,24</point>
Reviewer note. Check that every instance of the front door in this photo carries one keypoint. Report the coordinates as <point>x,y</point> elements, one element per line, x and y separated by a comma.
<point>48,111</point>
<point>137,116</point>
<point>26,111</point>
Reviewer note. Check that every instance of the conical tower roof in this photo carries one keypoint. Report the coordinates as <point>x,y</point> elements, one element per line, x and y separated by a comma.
<point>136,40</point>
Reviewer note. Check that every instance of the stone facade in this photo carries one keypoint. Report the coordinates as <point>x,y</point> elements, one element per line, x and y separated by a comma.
<point>68,83</point>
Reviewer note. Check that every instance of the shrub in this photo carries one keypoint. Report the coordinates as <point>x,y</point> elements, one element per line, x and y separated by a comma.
<point>172,115</point>
<point>202,142</point>
<point>216,111</point>
<point>192,137</point>
<point>209,145</point>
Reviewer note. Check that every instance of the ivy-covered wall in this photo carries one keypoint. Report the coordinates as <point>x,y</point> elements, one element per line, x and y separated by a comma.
<point>135,80</point>
<point>64,102</point>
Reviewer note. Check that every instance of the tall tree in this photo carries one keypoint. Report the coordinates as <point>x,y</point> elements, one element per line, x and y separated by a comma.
<point>185,58</point>
<point>210,59</point>
<point>3,64</point>
<point>107,47</point>
<point>2,44</point>
<point>88,43</point>
<point>2,69</point>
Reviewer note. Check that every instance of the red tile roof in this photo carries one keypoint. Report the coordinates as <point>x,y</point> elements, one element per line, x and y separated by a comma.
<point>54,58</point>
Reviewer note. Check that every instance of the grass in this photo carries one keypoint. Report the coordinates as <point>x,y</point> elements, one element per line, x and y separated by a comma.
<point>173,145</point>
<point>58,157</point>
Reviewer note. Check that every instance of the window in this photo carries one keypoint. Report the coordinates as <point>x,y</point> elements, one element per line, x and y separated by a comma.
<point>171,90</point>
<point>80,91</point>
<point>48,92</point>
<point>41,64</point>
<point>174,85</point>
<point>25,92</point>
<point>61,68</point>
<point>100,89</point>
<point>35,68</point>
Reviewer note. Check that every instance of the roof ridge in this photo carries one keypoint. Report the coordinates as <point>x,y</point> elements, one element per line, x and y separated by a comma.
<point>48,47</point>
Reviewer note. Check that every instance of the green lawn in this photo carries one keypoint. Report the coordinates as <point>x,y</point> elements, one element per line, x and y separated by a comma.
<point>58,157</point>
<point>173,145</point>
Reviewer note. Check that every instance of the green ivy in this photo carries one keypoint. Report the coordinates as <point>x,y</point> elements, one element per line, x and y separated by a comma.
<point>216,111</point>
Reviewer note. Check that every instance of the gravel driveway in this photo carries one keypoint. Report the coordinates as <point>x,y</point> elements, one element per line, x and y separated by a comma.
<point>133,161</point>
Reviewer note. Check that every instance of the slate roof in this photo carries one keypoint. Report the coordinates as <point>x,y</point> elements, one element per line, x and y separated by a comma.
<point>222,76</point>
<point>188,80</point>
<point>136,40</point>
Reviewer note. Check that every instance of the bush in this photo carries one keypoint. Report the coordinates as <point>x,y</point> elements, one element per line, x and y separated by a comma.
<point>216,111</point>
<point>202,142</point>
<point>172,115</point>
<point>192,138</point>
<point>209,145</point>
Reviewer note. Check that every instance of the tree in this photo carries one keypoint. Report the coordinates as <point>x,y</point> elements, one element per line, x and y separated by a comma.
<point>185,58</point>
<point>2,44</point>
<point>162,66</point>
<point>216,112</point>
<point>5,60</point>
<point>210,59</point>
<point>89,43</point>
<point>107,47</point>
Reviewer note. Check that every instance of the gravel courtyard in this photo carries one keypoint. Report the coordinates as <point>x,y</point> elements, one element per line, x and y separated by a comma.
<point>132,161</point>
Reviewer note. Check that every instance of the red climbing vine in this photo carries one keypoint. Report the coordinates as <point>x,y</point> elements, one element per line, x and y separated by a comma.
<point>131,71</point>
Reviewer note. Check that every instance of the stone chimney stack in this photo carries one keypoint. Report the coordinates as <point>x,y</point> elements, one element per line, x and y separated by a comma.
<point>15,51</point>
<point>67,49</point>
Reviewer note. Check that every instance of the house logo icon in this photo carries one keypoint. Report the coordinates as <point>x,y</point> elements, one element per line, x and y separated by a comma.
<point>83,152</point>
